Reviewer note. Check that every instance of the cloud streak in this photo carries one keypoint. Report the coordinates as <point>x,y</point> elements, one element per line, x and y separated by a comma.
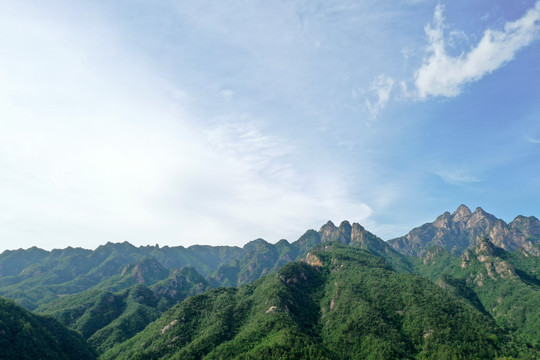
<point>457,177</point>
<point>533,140</point>
<point>381,86</point>
<point>444,75</point>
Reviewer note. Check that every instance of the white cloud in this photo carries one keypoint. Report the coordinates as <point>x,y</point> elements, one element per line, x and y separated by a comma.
<point>261,189</point>
<point>95,146</point>
<point>533,140</point>
<point>405,92</point>
<point>227,94</point>
<point>444,75</point>
<point>382,86</point>
<point>457,176</point>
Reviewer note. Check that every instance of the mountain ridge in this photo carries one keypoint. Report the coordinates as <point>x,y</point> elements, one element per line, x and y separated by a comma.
<point>45,276</point>
<point>111,294</point>
<point>339,303</point>
<point>463,229</point>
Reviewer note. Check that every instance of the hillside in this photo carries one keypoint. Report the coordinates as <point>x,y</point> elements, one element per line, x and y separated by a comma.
<point>36,277</point>
<point>340,303</point>
<point>24,335</point>
<point>105,318</point>
<point>500,283</point>
<point>453,290</point>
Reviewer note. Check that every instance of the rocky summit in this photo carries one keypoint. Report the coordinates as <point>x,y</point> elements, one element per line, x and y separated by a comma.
<point>463,229</point>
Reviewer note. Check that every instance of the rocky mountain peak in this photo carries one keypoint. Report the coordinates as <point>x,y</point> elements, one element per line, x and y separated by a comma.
<point>345,225</point>
<point>345,232</point>
<point>329,225</point>
<point>329,232</point>
<point>254,244</point>
<point>462,213</point>
<point>481,218</point>
<point>443,221</point>
<point>463,229</point>
<point>480,213</point>
<point>357,230</point>
<point>528,225</point>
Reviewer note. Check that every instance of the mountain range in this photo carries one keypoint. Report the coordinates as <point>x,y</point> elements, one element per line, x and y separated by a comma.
<point>463,229</point>
<point>340,292</point>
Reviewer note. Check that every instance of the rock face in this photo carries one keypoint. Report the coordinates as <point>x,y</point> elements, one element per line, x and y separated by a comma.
<point>487,254</point>
<point>354,235</point>
<point>464,229</point>
<point>146,271</point>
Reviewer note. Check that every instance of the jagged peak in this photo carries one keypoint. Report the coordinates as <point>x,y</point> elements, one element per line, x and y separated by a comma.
<point>483,213</point>
<point>357,226</point>
<point>445,214</point>
<point>147,262</point>
<point>329,224</point>
<point>522,219</point>
<point>345,224</point>
<point>461,213</point>
<point>480,213</point>
<point>117,245</point>
<point>282,242</point>
<point>443,219</point>
<point>310,232</point>
<point>345,230</point>
<point>255,243</point>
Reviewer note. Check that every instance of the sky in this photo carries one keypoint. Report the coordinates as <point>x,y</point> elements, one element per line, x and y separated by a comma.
<point>219,122</point>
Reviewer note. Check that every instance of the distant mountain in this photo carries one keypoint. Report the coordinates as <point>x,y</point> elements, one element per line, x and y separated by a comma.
<point>37,277</point>
<point>340,303</point>
<point>466,285</point>
<point>263,258</point>
<point>147,271</point>
<point>24,335</point>
<point>464,229</point>
<point>105,317</point>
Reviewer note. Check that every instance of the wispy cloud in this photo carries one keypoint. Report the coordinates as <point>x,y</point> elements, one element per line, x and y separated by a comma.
<point>96,148</point>
<point>261,185</point>
<point>381,86</point>
<point>444,75</point>
<point>533,140</point>
<point>457,176</point>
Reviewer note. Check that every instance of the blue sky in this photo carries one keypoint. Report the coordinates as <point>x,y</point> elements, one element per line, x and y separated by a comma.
<point>183,122</point>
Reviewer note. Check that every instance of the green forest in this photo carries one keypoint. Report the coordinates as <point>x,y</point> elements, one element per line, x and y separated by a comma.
<point>337,293</point>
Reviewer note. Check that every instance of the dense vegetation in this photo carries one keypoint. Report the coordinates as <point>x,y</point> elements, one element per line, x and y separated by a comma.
<point>36,277</point>
<point>346,303</point>
<point>24,335</point>
<point>500,283</point>
<point>105,318</point>
<point>471,290</point>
